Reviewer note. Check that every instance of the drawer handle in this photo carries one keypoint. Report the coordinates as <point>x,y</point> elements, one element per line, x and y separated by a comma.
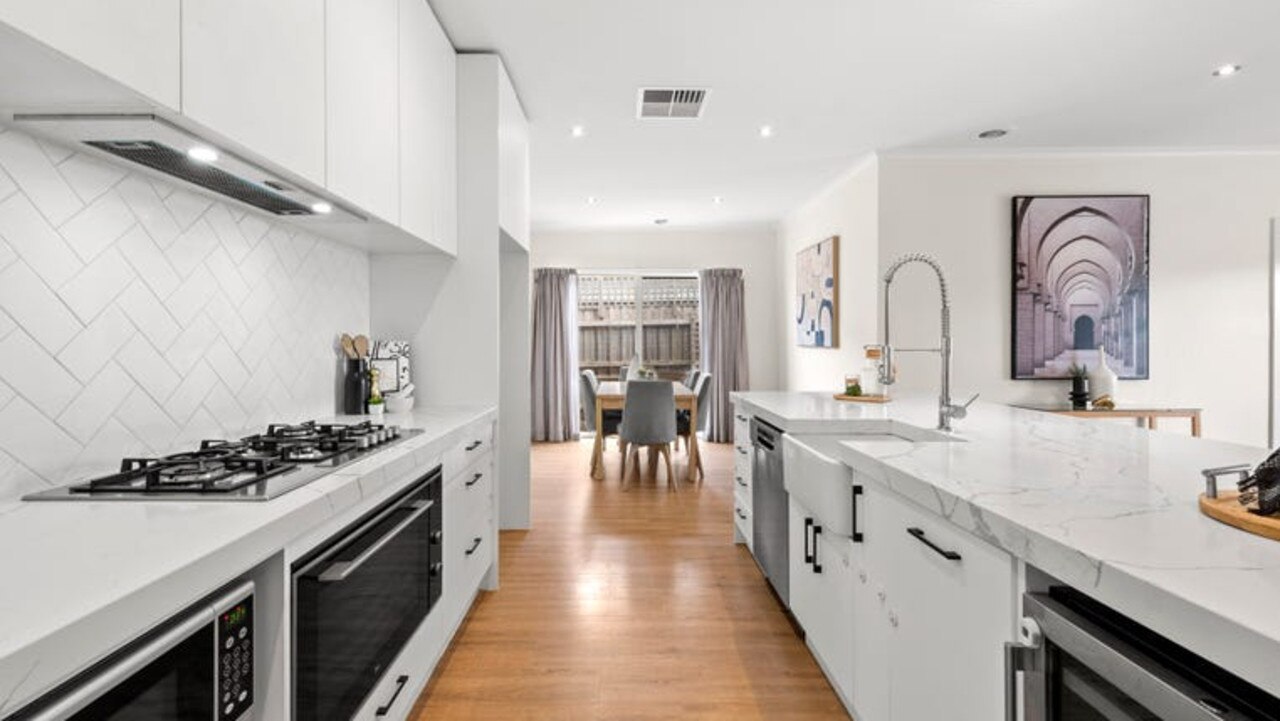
<point>741,515</point>
<point>808,530</point>
<point>740,481</point>
<point>817,565</point>
<point>474,545</point>
<point>918,534</point>
<point>744,419</point>
<point>436,568</point>
<point>474,445</point>
<point>386,708</point>
<point>341,570</point>
<point>475,480</point>
<point>857,535</point>
<point>436,537</point>
<point>743,451</point>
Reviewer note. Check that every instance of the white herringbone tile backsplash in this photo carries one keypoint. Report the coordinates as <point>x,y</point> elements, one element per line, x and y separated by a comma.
<point>137,317</point>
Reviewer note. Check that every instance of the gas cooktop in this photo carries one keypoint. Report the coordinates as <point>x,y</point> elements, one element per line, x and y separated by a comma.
<point>255,468</point>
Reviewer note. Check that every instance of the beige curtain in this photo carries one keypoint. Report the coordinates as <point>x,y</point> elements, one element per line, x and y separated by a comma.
<point>555,355</point>
<point>724,345</point>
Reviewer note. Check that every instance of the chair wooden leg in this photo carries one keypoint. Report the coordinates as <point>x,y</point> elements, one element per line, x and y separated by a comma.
<point>665,450</point>
<point>702,475</point>
<point>624,464</point>
<point>653,462</point>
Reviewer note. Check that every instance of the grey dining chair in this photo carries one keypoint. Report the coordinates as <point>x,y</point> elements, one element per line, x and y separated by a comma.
<point>622,374</point>
<point>648,419</point>
<point>702,389</point>
<point>691,378</point>
<point>587,399</point>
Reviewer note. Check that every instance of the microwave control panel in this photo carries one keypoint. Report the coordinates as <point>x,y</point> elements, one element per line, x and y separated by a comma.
<point>235,660</point>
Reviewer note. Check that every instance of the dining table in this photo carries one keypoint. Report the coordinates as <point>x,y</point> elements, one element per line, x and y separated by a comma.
<point>612,395</point>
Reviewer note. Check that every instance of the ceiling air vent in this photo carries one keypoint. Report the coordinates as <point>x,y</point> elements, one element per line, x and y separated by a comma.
<point>672,102</point>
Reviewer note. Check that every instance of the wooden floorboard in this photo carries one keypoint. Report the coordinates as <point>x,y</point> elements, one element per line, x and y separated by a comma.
<point>627,604</point>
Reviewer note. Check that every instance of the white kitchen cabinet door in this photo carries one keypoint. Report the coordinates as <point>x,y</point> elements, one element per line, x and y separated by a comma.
<point>255,72</point>
<point>821,593</point>
<point>135,42</point>
<point>428,128</point>
<point>802,585</point>
<point>869,658</point>
<point>362,104</point>
<point>950,617</point>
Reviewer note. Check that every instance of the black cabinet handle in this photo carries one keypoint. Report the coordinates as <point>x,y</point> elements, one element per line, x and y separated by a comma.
<point>435,569</point>
<point>475,480</point>
<point>474,545</point>
<point>741,515</point>
<point>808,527</point>
<point>740,481</point>
<point>817,565</point>
<point>743,451</point>
<point>857,535</point>
<point>918,534</point>
<point>474,445</point>
<point>436,537</point>
<point>386,708</point>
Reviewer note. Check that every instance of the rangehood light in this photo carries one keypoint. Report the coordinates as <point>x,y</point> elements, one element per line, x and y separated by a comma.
<point>321,208</point>
<point>203,154</point>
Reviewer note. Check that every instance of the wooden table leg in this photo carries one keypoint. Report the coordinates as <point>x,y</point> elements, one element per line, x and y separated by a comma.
<point>1195,424</point>
<point>1153,422</point>
<point>597,450</point>
<point>693,441</point>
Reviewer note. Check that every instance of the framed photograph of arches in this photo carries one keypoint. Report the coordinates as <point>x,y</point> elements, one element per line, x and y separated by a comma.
<point>818,295</point>
<point>1080,285</point>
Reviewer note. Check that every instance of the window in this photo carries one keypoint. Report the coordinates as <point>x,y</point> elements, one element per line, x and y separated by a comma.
<point>614,310</point>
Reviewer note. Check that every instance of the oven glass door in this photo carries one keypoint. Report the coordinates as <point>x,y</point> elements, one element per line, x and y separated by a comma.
<point>357,606</point>
<point>1080,694</point>
<point>177,686</point>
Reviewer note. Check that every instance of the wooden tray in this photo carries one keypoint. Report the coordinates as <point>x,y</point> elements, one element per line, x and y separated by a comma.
<point>1227,509</point>
<point>862,399</point>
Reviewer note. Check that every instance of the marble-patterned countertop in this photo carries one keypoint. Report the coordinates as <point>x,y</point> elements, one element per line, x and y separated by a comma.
<point>1110,509</point>
<point>85,577</point>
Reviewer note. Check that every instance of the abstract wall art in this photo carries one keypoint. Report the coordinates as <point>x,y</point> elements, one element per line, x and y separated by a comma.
<point>818,295</point>
<point>1080,284</point>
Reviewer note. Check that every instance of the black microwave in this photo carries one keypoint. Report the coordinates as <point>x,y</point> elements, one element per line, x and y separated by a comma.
<point>197,666</point>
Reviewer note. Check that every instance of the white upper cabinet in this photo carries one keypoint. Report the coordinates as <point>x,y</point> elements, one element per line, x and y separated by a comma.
<point>134,42</point>
<point>363,88</point>
<point>254,72</point>
<point>428,128</point>
<point>513,163</point>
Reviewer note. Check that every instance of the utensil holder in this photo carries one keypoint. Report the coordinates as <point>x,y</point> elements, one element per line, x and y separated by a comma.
<point>355,387</point>
<point>1079,393</point>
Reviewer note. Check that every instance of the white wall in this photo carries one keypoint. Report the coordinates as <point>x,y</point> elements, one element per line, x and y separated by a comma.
<point>1210,229</point>
<point>137,318</point>
<point>749,248</point>
<point>847,208</point>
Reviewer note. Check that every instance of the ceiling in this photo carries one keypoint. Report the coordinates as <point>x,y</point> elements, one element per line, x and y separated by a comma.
<point>838,79</point>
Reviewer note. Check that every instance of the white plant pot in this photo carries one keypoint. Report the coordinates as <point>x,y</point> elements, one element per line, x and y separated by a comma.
<point>376,410</point>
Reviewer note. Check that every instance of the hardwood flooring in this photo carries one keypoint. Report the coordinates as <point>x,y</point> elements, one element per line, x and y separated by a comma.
<point>630,604</point>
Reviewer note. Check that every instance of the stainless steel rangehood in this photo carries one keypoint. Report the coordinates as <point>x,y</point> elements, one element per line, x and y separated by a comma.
<point>152,142</point>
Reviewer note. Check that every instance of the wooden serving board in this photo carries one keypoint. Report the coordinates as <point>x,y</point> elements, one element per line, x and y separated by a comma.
<point>1227,509</point>
<point>862,399</point>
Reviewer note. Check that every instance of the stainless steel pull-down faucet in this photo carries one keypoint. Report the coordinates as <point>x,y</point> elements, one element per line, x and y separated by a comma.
<point>888,375</point>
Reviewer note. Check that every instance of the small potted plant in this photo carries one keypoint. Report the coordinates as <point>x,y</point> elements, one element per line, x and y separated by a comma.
<point>375,404</point>
<point>1079,387</point>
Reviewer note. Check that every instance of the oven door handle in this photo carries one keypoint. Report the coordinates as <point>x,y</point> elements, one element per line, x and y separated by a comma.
<point>341,570</point>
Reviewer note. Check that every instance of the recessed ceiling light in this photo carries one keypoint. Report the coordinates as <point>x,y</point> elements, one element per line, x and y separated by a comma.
<point>993,134</point>
<point>203,154</point>
<point>321,208</point>
<point>659,221</point>
<point>718,200</point>
<point>578,131</point>
<point>766,131</point>
<point>1227,71</point>
<point>592,200</point>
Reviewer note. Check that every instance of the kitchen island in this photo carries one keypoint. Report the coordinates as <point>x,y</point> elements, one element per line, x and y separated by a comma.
<point>1110,511</point>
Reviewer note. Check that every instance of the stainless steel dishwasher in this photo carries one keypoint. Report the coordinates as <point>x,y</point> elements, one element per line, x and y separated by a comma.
<point>769,507</point>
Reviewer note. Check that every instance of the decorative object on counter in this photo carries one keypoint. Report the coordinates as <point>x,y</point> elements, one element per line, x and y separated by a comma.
<point>869,379</point>
<point>1079,387</point>
<point>1103,403</point>
<point>818,294</point>
<point>1080,281</point>
<point>852,385</point>
<point>1252,508</point>
<point>400,401</point>
<point>392,358</point>
<point>355,386</point>
<point>1103,380</point>
<point>361,343</point>
<point>375,393</point>
<point>348,346</point>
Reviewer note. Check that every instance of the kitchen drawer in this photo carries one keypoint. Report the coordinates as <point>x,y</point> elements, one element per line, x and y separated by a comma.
<point>742,490</point>
<point>742,469</point>
<point>741,428</point>
<point>742,519</point>
<point>476,441</point>
<point>742,457</point>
